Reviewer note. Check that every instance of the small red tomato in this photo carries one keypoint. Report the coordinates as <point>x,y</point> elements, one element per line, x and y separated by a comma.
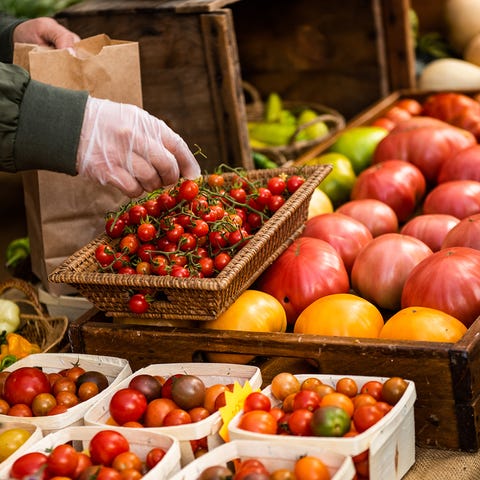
<point>138,303</point>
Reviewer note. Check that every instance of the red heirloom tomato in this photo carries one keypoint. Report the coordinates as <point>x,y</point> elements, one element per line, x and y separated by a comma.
<point>455,108</point>
<point>425,142</point>
<point>309,269</point>
<point>464,165</point>
<point>448,280</point>
<point>376,215</point>
<point>345,234</point>
<point>431,229</point>
<point>459,198</point>
<point>382,266</point>
<point>399,184</point>
<point>106,445</point>
<point>23,384</point>
<point>466,233</point>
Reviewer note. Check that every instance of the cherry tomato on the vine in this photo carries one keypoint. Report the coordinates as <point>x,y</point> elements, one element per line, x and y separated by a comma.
<point>138,303</point>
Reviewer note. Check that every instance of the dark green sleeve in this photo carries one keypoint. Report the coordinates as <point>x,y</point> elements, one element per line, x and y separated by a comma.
<point>7,25</point>
<point>49,128</point>
<point>40,125</point>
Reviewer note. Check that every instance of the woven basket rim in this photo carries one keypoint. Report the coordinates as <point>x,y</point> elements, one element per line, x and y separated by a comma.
<point>70,271</point>
<point>47,330</point>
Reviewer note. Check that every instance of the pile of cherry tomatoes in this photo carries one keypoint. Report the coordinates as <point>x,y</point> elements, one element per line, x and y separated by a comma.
<point>30,392</point>
<point>154,401</point>
<point>192,229</point>
<point>307,467</point>
<point>109,457</point>
<point>313,408</point>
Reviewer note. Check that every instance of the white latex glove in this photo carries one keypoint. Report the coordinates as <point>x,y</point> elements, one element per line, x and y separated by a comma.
<point>124,146</point>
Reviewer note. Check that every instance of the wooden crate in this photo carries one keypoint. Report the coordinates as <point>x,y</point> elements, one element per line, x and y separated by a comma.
<point>195,54</point>
<point>447,407</point>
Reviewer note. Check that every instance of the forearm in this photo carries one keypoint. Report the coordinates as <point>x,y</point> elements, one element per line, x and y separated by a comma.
<point>39,124</point>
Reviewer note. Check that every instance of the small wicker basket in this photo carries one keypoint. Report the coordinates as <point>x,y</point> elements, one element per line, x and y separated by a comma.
<point>283,154</point>
<point>35,324</point>
<point>196,298</point>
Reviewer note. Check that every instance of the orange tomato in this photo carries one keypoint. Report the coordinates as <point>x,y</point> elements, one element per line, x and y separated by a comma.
<point>341,315</point>
<point>253,311</point>
<point>423,324</point>
<point>311,468</point>
<point>338,400</point>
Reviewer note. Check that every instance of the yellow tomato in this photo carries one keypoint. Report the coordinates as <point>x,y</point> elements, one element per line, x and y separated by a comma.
<point>319,203</point>
<point>11,440</point>
<point>253,311</point>
<point>340,315</point>
<point>423,324</point>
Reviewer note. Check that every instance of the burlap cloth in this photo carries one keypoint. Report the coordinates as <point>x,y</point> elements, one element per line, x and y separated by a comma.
<point>432,464</point>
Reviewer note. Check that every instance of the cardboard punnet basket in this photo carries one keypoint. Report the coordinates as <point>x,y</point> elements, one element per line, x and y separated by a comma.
<point>209,427</point>
<point>115,369</point>
<point>140,443</point>
<point>390,442</point>
<point>279,455</point>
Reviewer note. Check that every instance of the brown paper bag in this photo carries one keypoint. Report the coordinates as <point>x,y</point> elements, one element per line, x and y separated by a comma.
<point>64,213</point>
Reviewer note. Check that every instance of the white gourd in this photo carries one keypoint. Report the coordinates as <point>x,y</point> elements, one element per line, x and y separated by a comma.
<point>449,74</point>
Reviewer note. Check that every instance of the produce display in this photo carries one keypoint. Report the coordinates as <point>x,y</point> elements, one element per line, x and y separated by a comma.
<point>404,259</point>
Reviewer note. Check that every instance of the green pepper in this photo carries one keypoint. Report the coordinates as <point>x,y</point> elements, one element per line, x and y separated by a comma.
<point>272,133</point>
<point>273,108</point>
<point>262,161</point>
<point>17,250</point>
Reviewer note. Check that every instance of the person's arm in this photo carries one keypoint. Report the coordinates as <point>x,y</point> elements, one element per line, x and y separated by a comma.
<point>7,26</point>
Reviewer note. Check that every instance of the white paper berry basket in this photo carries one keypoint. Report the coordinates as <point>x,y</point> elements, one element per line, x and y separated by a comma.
<point>390,442</point>
<point>35,436</point>
<point>274,456</point>
<point>210,374</point>
<point>114,368</point>
<point>141,442</point>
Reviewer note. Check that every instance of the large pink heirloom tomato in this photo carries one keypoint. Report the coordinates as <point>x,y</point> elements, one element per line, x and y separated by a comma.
<point>425,142</point>
<point>345,234</point>
<point>448,280</point>
<point>381,268</point>
<point>309,269</point>
<point>459,198</point>
<point>399,184</point>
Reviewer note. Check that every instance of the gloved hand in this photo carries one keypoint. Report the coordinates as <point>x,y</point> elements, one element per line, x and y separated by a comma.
<point>124,146</point>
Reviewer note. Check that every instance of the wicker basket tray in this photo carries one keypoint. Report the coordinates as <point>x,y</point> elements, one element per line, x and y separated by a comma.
<point>196,298</point>
<point>35,323</point>
<point>283,154</point>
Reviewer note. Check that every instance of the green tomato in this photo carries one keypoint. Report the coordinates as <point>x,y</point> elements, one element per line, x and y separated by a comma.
<point>339,182</point>
<point>358,145</point>
<point>330,421</point>
<point>11,440</point>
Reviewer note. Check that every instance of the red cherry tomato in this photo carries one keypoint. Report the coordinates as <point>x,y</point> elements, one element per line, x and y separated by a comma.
<point>127,405</point>
<point>106,445</point>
